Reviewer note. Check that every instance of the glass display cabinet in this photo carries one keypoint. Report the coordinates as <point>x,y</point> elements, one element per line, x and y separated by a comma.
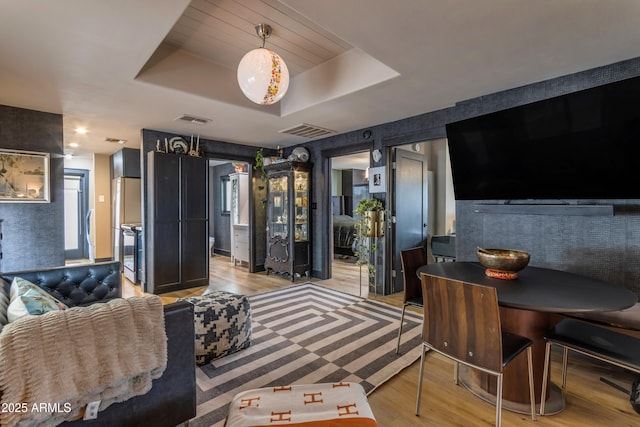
<point>288,219</point>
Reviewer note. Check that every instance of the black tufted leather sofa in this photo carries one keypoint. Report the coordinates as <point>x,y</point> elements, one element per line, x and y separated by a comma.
<point>172,398</point>
<point>76,285</point>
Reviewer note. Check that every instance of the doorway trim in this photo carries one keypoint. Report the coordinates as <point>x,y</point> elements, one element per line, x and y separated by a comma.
<point>82,252</point>
<point>326,213</point>
<point>389,143</point>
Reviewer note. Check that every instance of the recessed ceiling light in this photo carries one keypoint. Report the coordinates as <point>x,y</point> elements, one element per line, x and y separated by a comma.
<point>73,144</point>
<point>81,130</point>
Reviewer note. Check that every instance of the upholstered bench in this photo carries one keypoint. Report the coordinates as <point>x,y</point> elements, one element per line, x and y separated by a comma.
<point>331,404</point>
<point>222,322</point>
<point>628,319</point>
<point>590,340</point>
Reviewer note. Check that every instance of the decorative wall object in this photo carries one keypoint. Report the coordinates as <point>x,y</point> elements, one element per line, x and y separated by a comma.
<point>178,145</point>
<point>300,154</point>
<point>24,176</point>
<point>377,155</point>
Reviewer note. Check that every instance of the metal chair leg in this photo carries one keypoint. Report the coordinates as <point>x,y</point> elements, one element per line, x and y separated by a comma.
<point>420,380</point>
<point>532,393</point>
<point>456,372</point>
<point>545,376</point>
<point>404,307</point>
<point>499,402</point>
<point>565,358</point>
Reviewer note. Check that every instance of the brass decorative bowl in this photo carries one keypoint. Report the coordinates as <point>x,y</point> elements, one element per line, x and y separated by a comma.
<point>502,263</point>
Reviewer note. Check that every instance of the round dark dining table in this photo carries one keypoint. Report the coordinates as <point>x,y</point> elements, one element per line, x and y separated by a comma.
<point>528,306</point>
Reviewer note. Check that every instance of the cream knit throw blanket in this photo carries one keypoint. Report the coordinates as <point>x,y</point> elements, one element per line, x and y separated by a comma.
<point>53,365</point>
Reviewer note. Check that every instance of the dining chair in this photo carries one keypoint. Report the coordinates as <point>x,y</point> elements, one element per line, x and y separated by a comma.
<point>411,260</point>
<point>462,322</point>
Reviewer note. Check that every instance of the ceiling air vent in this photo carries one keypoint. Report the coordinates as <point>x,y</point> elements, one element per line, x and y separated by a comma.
<point>193,119</point>
<point>307,131</point>
<point>116,140</point>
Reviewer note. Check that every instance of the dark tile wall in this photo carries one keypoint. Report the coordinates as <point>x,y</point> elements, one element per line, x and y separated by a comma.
<point>604,247</point>
<point>33,233</point>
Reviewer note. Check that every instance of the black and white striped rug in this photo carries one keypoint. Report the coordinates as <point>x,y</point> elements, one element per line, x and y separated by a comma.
<point>309,334</point>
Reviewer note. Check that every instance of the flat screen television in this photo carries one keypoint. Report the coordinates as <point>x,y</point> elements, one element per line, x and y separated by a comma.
<point>583,145</point>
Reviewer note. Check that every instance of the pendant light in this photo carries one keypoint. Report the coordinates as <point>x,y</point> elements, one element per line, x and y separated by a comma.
<point>262,74</point>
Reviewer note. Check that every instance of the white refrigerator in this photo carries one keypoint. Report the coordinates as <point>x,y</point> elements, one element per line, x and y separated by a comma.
<point>126,204</point>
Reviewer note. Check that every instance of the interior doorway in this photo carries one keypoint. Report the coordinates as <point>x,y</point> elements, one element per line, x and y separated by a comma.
<point>422,200</point>
<point>230,207</point>
<point>410,204</point>
<point>77,218</point>
<point>349,182</point>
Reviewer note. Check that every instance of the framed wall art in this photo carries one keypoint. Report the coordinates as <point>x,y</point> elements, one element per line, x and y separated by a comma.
<point>377,181</point>
<point>24,176</point>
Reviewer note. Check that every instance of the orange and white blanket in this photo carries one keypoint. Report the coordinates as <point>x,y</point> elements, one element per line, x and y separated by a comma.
<point>310,405</point>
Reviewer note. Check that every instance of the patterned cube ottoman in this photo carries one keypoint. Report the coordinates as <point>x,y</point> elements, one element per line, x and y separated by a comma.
<point>222,324</point>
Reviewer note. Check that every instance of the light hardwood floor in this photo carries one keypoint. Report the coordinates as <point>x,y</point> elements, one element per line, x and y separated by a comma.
<point>589,402</point>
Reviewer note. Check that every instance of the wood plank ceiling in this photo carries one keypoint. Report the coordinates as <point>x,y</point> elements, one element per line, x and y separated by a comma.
<point>222,31</point>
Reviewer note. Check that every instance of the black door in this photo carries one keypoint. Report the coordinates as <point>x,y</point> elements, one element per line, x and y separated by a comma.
<point>409,208</point>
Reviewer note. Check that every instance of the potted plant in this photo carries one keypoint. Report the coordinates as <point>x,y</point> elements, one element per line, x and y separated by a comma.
<point>238,166</point>
<point>371,213</point>
<point>259,166</point>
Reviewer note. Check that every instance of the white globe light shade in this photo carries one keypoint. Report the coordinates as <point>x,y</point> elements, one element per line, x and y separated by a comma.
<point>263,76</point>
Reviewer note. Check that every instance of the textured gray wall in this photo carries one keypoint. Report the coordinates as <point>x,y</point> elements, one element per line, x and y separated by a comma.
<point>33,233</point>
<point>602,247</point>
